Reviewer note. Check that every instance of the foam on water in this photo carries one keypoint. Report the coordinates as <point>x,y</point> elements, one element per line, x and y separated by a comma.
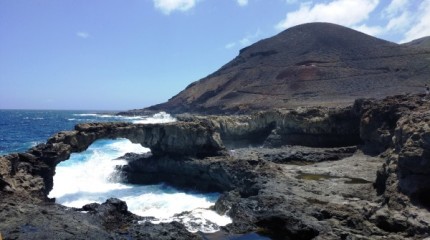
<point>161,117</point>
<point>85,114</point>
<point>200,219</point>
<point>90,177</point>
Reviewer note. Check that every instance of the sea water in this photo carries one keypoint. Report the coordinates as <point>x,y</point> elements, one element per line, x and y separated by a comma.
<point>23,129</point>
<point>90,176</point>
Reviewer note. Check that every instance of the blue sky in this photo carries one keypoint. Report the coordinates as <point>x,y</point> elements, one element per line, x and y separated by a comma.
<point>126,54</point>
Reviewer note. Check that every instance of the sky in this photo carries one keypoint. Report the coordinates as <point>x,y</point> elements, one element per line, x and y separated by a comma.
<point>128,54</point>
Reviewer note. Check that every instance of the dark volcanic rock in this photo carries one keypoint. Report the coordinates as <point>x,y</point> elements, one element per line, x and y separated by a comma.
<point>315,127</point>
<point>314,64</point>
<point>208,174</point>
<point>113,213</point>
<point>322,200</point>
<point>109,220</point>
<point>294,154</point>
<point>357,194</point>
<point>180,138</point>
<point>400,126</point>
<point>25,219</point>
<point>379,119</point>
<point>122,224</point>
<point>33,172</point>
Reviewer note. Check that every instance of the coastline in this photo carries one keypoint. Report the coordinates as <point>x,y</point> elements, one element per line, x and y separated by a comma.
<point>372,187</point>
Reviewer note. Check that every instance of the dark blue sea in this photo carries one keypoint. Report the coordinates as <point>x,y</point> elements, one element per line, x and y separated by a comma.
<point>23,129</point>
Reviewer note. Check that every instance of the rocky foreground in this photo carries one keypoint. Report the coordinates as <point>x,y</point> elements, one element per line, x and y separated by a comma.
<point>357,172</point>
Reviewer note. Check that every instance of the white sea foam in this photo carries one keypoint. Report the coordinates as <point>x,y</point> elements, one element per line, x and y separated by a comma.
<point>161,117</point>
<point>34,143</point>
<point>199,219</point>
<point>163,202</point>
<point>90,177</point>
<point>85,177</point>
<point>95,115</point>
<point>85,114</point>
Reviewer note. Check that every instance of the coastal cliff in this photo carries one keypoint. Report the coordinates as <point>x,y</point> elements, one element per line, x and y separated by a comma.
<point>358,172</point>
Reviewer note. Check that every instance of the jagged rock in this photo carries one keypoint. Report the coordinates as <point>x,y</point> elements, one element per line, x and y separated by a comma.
<point>24,218</point>
<point>321,200</point>
<point>38,164</point>
<point>353,196</point>
<point>208,174</point>
<point>123,225</point>
<point>113,213</point>
<point>291,154</point>
<point>379,119</point>
<point>412,142</point>
<point>109,220</point>
<point>181,138</point>
<point>316,127</point>
<point>400,123</point>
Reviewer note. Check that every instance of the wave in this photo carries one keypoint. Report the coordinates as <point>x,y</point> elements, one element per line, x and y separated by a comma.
<point>34,143</point>
<point>200,219</point>
<point>161,202</point>
<point>85,114</point>
<point>161,117</point>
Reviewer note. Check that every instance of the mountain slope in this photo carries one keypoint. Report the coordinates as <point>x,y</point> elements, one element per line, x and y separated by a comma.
<point>306,65</point>
<point>423,42</point>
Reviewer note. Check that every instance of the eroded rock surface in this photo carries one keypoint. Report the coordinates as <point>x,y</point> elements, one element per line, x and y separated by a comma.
<point>314,127</point>
<point>23,219</point>
<point>33,171</point>
<point>27,178</point>
<point>362,174</point>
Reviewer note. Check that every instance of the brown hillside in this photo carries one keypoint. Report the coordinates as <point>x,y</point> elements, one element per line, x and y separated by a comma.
<point>306,65</point>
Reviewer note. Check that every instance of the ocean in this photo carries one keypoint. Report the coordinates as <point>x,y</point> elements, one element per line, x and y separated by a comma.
<point>90,176</point>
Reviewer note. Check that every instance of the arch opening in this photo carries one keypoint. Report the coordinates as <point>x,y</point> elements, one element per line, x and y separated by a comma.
<point>90,176</point>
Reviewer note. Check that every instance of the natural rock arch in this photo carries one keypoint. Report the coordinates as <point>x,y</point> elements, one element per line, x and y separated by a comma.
<point>176,139</point>
<point>190,139</point>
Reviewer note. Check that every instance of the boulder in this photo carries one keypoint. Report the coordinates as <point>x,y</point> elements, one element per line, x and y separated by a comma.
<point>109,220</point>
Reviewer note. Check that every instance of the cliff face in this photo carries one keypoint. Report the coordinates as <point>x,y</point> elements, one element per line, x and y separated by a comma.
<point>312,127</point>
<point>315,64</point>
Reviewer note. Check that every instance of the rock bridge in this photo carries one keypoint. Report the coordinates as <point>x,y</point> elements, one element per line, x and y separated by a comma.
<point>33,171</point>
<point>398,123</point>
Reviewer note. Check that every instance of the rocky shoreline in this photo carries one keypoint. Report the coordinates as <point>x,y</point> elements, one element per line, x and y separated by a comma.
<point>356,172</point>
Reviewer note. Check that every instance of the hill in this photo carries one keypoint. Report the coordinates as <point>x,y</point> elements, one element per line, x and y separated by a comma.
<point>314,64</point>
<point>420,42</point>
